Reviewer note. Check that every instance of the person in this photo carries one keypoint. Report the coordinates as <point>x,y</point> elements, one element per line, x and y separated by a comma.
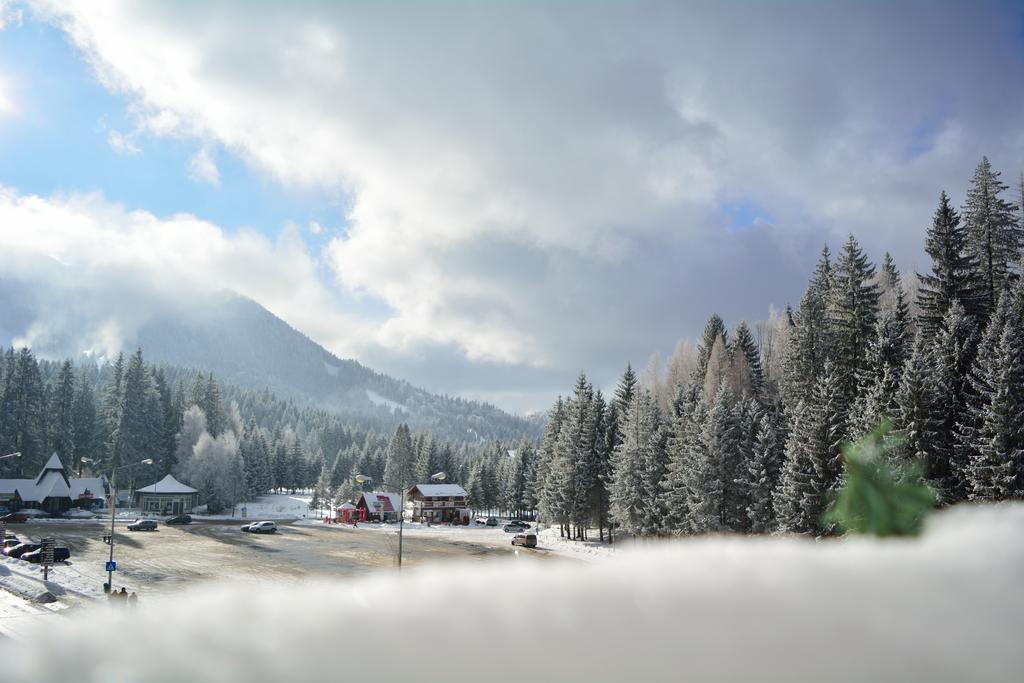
<point>133,599</point>
<point>123,594</point>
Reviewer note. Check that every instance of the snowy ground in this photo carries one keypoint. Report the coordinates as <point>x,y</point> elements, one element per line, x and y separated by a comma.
<point>944,607</point>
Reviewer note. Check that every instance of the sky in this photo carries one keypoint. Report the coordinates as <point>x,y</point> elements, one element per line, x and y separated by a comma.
<point>488,198</point>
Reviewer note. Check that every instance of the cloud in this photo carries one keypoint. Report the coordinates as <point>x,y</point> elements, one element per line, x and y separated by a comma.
<point>315,228</point>
<point>538,186</point>
<point>122,144</point>
<point>203,169</point>
<point>133,264</point>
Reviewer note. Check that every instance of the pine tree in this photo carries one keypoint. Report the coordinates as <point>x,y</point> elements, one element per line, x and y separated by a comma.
<point>708,456</point>
<point>87,437</point>
<point>991,436</point>
<point>915,418</point>
<point>63,413</point>
<point>744,346</point>
<point>953,272</point>
<point>812,468</point>
<point>682,448</point>
<point>635,464</point>
<point>762,477</point>
<point>809,341</point>
<point>714,329</point>
<point>994,238</point>
<point>953,352</point>
<point>852,315</point>
<point>398,469</point>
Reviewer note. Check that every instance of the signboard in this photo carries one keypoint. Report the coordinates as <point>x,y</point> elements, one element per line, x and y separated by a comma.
<point>47,556</point>
<point>111,566</point>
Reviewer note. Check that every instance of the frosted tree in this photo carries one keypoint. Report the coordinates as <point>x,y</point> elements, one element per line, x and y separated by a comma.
<point>995,444</point>
<point>762,476</point>
<point>215,469</point>
<point>813,467</point>
<point>852,313</point>
<point>744,347</point>
<point>717,369</point>
<point>953,351</point>
<point>713,329</point>
<point>398,469</point>
<point>638,465</point>
<point>953,272</point>
<point>62,413</point>
<point>994,237</point>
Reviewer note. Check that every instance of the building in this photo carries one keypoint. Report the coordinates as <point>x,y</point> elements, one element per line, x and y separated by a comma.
<point>379,506</point>
<point>439,503</point>
<point>166,497</point>
<point>53,491</point>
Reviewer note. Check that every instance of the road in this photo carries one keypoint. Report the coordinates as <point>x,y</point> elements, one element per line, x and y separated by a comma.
<point>177,556</point>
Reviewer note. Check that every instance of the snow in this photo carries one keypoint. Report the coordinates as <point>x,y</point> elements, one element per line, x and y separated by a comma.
<point>945,607</point>
<point>331,369</point>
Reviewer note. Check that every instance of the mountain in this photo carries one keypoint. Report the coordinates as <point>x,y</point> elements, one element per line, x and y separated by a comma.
<point>244,345</point>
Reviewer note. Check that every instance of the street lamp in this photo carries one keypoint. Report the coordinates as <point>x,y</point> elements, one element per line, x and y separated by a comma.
<point>10,455</point>
<point>113,507</point>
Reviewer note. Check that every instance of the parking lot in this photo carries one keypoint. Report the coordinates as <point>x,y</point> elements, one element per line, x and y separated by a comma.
<point>176,556</point>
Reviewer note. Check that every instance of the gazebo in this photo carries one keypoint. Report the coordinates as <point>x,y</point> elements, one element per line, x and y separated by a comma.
<point>167,496</point>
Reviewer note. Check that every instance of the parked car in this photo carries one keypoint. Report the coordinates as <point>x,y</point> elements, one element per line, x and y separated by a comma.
<point>260,528</point>
<point>33,513</point>
<point>19,550</point>
<point>515,526</point>
<point>9,543</point>
<point>525,540</point>
<point>60,554</point>
<point>142,525</point>
<point>14,518</point>
<point>491,521</point>
<point>180,519</point>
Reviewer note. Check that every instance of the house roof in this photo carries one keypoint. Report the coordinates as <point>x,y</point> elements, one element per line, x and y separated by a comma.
<point>439,490</point>
<point>379,501</point>
<point>52,482</point>
<point>167,485</point>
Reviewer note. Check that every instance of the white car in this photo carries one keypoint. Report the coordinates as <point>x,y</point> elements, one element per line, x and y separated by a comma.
<point>260,528</point>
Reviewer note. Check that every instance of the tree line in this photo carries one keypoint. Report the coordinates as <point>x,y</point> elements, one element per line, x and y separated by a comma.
<point>751,438</point>
<point>231,444</point>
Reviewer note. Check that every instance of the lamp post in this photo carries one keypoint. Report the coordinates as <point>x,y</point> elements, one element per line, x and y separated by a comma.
<point>11,455</point>
<point>113,508</point>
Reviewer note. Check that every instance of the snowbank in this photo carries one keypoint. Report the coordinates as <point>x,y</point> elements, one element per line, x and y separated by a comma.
<point>946,607</point>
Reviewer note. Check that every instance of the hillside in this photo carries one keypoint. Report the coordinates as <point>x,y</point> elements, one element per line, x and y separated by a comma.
<point>245,345</point>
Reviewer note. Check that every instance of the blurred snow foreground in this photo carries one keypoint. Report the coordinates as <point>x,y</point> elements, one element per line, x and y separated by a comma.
<point>948,606</point>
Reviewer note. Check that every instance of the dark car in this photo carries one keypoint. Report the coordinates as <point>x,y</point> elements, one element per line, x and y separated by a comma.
<point>142,525</point>
<point>19,550</point>
<point>36,556</point>
<point>180,519</point>
<point>9,543</point>
<point>15,518</point>
<point>525,540</point>
<point>491,521</point>
<point>515,526</point>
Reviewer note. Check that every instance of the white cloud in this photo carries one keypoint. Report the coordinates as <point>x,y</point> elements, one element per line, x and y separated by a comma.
<point>539,184</point>
<point>122,144</point>
<point>139,263</point>
<point>315,228</point>
<point>10,15</point>
<point>203,169</point>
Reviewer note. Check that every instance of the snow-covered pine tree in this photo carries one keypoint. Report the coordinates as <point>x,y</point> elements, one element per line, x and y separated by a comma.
<point>994,237</point>
<point>634,464</point>
<point>953,275</point>
<point>743,345</point>
<point>813,468</point>
<point>952,353</point>
<point>713,329</point>
<point>994,442</point>
<point>762,476</point>
<point>736,483</point>
<point>707,460</point>
<point>809,339</point>
<point>852,314</point>
<point>682,443</point>
<point>398,468</point>
<point>62,413</point>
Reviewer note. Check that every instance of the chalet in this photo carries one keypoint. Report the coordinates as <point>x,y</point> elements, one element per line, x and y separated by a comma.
<point>166,497</point>
<point>439,503</point>
<point>53,491</point>
<point>379,507</point>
